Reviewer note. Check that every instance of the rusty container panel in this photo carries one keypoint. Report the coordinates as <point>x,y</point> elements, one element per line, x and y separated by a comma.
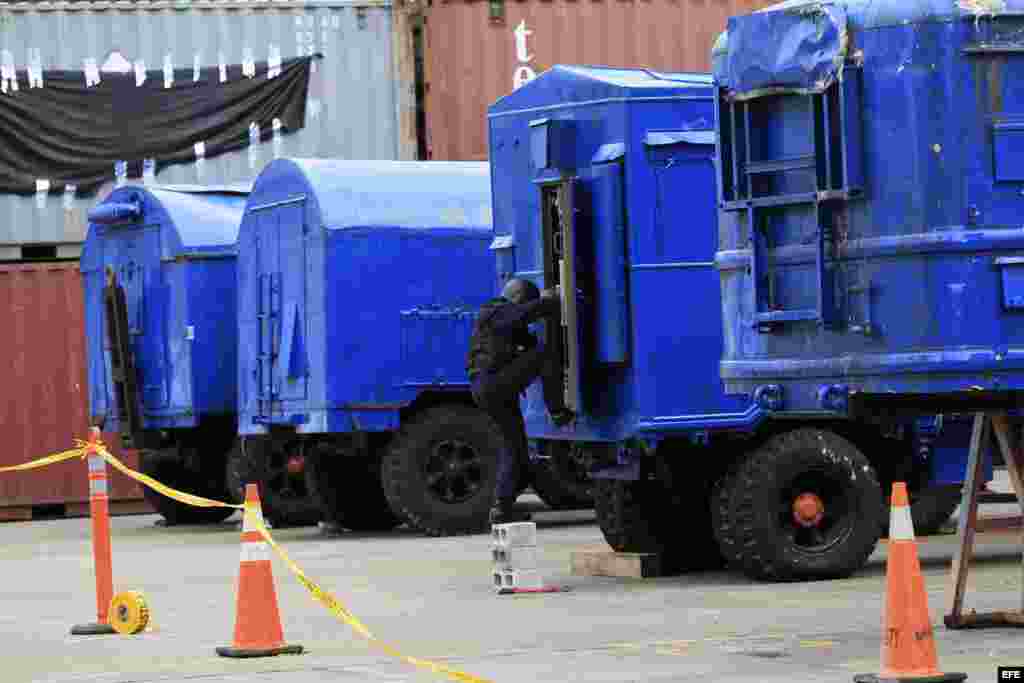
<point>474,59</point>
<point>43,395</point>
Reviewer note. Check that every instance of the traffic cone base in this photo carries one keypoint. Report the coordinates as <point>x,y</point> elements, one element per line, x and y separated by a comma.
<point>908,649</point>
<point>92,630</point>
<point>257,619</point>
<point>941,678</point>
<point>243,653</point>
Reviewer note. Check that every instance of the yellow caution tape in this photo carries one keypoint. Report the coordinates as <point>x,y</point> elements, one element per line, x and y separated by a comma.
<point>339,611</point>
<point>332,604</point>
<point>180,496</point>
<point>48,460</point>
<point>319,594</point>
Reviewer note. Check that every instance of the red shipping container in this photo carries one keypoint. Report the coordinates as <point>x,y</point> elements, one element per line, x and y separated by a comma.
<point>44,405</point>
<point>477,51</point>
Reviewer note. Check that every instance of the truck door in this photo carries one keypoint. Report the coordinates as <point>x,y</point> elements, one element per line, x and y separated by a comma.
<point>280,279</point>
<point>138,267</point>
<point>560,269</point>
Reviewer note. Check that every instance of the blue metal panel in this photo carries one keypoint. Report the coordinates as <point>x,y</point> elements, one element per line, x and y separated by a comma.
<point>611,317</point>
<point>539,144</point>
<point>1012,268</point>
<point>355,283</point>
<point>504,248</point>
<point>1008,139</point>
<point>290,371</point>
<point>948,461</point>
<point>923,262</point>
<point>410,297</point>
<point>551,143</point>
<point>98,363</point>
<point>850,107</point>
<point>173,253</point>
<point>433,346</point>
<point>150,334</point>
<point>212,316</point>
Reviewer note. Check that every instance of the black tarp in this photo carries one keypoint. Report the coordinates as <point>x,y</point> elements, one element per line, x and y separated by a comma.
<point>70,134</point>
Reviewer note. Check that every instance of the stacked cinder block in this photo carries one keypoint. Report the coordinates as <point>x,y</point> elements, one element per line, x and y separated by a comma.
<point>514,551</point>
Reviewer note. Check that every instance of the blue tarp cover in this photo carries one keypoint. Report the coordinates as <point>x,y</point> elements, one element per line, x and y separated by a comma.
<point>799,45</point>
<point>800,48</point>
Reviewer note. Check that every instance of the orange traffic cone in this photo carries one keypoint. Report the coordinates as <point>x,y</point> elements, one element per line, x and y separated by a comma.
<point>908,648</point>
<point>257,621</point>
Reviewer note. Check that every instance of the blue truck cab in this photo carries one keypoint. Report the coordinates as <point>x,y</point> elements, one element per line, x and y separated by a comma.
<point>604,185</point>
<point>158,269</point>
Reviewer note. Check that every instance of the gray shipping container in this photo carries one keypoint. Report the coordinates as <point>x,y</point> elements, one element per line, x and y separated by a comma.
<point>361,103</point>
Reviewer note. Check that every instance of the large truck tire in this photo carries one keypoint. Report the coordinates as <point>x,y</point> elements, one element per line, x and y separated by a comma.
<point>284,499</point>
<point>167,468</point>
<point>440,470</point>
<point>723,514</point>
<point>348,491</point>
<point>560,480</point>
<point>805,505</point>
<point>643,517</point>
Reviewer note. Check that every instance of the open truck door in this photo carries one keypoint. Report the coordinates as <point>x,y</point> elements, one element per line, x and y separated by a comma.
<point>560,249</point>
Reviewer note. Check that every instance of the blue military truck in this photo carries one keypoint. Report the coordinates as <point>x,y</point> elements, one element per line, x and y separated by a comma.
<point>158,269</point>
<point>358,286</point>
<point>871,191</point>
<point>604,185</point>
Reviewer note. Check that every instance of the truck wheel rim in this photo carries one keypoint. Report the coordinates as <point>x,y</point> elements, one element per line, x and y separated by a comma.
<point>816,511</point>
<point>454,471</point>
<point>282,478</point>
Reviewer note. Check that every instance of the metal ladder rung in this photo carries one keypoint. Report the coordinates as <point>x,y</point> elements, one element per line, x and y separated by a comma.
<point>777,165</point>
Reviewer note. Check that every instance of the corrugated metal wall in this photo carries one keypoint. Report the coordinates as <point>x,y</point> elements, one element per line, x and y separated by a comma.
<point>474,60</point>
<point>44,387</point>
<point>356,96</point>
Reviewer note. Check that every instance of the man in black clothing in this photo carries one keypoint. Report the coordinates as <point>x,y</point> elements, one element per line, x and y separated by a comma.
<point>504,359</point>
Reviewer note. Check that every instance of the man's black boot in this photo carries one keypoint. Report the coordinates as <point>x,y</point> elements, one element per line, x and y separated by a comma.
<point>503,512</point>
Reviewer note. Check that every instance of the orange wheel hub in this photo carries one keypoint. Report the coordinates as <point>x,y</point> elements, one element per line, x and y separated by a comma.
<point>296,464</point>
<point>808,509</point>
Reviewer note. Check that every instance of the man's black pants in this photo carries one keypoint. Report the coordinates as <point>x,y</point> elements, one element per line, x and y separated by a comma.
<point>497,393</point>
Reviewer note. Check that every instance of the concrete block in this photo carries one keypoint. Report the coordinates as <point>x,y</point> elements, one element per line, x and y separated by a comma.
<point>516,534</point>
<point>609,563</point>
<point>517,578</point>
<point>515,557</point>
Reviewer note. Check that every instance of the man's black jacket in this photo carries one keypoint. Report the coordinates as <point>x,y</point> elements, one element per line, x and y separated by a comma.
<point>501,332</point>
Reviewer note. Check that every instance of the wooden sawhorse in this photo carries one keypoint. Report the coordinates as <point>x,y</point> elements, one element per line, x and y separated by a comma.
<point>1011,447</point>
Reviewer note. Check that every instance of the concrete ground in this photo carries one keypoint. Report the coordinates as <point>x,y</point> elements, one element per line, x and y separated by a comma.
<point>433,598</point>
